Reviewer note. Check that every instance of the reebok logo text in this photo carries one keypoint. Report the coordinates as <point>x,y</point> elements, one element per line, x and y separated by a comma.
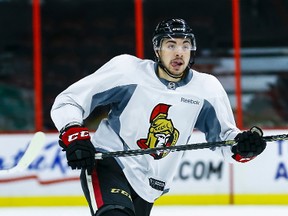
<point>191,101</point>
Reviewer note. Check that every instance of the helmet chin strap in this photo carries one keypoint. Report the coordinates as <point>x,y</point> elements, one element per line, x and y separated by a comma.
<point>168,72</point>
<point>159,61</point>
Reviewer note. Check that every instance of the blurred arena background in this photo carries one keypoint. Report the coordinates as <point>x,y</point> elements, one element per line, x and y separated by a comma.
<point>46,45</point>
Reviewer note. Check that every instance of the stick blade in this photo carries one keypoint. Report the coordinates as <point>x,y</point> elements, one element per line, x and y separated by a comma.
<point>33,149</point>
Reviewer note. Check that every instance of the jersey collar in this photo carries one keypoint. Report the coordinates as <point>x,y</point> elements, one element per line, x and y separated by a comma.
<point>173,85</point>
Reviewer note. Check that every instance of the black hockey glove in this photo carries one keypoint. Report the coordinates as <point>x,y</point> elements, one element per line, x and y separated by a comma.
<point>80,152</point>
<point>249,145</point>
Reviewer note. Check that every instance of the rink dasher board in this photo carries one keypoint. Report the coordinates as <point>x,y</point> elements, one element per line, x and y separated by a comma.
<point>202,177</point>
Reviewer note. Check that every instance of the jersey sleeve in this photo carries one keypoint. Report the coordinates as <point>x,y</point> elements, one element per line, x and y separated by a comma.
<point>76,102</point>
<point>216,119</point>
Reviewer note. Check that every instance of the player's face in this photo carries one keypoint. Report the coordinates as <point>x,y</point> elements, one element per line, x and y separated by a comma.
<point>175,54</point>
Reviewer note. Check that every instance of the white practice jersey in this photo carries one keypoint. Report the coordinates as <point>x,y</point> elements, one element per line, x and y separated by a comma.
<point>146,112</point>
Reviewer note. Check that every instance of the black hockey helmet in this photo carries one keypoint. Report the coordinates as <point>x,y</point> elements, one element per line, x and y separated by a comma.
<point>173,28</point>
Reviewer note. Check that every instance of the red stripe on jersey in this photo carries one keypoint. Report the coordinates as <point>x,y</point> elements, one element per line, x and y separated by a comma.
<point>96,188</point>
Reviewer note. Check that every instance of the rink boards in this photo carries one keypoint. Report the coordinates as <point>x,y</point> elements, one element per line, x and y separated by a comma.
<point>202,177</point>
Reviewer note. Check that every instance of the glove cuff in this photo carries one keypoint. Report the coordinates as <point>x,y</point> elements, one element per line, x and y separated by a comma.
<point>241,159</point>
<point>73,133</point>
<point>71,124</point>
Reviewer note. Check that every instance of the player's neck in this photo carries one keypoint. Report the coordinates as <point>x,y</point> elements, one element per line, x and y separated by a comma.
<point>164,75</point>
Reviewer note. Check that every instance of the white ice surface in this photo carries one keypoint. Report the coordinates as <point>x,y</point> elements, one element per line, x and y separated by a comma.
<point>157,211</point>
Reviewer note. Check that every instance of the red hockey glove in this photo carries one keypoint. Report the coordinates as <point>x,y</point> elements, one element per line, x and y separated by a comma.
<point>80,152</point>
<point>249,145</point>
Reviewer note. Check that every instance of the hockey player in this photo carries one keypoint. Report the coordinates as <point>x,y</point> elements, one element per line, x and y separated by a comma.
<point>153,103</point>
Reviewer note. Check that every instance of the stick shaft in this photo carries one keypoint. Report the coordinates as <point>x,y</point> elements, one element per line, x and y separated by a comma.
<point>195,146</point>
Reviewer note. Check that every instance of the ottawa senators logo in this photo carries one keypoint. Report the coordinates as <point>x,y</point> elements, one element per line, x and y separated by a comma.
<point>161,132</point>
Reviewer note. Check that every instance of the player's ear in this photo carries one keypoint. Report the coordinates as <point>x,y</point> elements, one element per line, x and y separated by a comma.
<point>156,53</point>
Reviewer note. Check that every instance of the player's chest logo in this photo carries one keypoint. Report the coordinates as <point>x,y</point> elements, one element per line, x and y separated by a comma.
<point>161,132</point>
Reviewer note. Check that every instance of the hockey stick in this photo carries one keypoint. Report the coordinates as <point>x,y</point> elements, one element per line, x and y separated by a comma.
<point>195,146</point>
<point>29,155</point>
